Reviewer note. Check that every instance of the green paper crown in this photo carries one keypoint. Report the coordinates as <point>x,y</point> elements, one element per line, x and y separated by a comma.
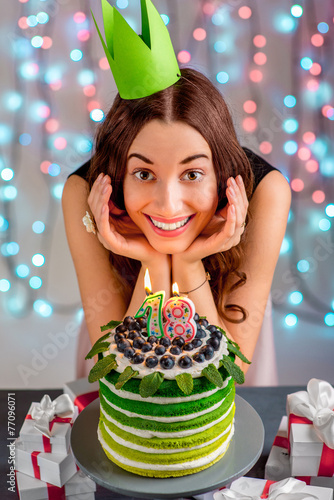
<point>141,64</point>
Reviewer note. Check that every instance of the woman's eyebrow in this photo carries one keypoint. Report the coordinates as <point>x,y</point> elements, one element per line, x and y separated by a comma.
<point>141,157</point>
<point>194,157</point>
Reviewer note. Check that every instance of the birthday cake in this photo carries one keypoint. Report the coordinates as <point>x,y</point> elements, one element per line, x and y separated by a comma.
<point>166,402</point>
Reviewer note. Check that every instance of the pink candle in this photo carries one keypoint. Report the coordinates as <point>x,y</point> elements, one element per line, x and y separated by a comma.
<point>179,313</point>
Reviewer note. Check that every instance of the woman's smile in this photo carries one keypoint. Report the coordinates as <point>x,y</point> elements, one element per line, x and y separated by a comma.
<point>170,187</point>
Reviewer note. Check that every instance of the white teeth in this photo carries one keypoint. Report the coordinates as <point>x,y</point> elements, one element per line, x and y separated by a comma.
<point>169,227</point>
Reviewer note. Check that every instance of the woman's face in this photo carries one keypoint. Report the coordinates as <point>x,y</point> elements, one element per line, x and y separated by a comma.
<point>170,187</point>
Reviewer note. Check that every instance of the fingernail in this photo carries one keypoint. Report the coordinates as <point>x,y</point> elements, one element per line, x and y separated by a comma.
<point>233,181</point>
<point>105,189</point>
<point>99,177</point>
<point>232,192</point>
<point>239,180</point>
<point>105,178</point>
<point>232,209</point>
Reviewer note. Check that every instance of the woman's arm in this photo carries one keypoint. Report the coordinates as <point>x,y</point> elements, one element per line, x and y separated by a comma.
<point>269,208</point>
<point>101,293</point>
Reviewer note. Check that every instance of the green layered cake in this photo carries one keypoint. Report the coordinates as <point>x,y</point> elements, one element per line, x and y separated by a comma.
<point>166,405</point>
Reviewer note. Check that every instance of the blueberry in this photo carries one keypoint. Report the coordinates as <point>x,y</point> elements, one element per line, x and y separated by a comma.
<point>208,351</point>
<point>138,343</point>
<point>129,352</point>
<point>188,346</point>
<point>122,345</point>
<point>185,362</point>
<point>133,334</point>
<point>196,343</point>
<point>137,359</point>
<point>160,350</point>
<point>175,350</point>
<point>127,320</point>
<point>146,347</point>
<point>217,335</point>
<point>121,328</point>
<point>119,336</point>
<point>214,342</point>
<point>200,334</point>
<point>211,328</point>
<point>196,317</point>
<point>199,357</point>
<point>151,361</point>
<point>134,325</point>
<point>142,322</point>
<point>179,341</point>
<point>165,341</point>
<point>152,339</point>
<point>144,333</point>
<point>204,322</point>
<point>167,362</point>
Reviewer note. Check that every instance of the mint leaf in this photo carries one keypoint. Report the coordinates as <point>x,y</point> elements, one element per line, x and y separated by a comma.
<point>98,347</point>
<point>185,383</point>
<point>109,326</point>
<point>125,376</point>
<point>235,350</point>
<point>150,384</point>
<point>213,375</point>
<point>233,370</point>
<point>102,367</point>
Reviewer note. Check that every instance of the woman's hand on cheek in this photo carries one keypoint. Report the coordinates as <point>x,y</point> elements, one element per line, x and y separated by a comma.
<point>115,230</point>
<point>225,228</point>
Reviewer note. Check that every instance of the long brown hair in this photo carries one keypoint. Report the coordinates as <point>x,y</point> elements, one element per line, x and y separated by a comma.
<point>195,101</point>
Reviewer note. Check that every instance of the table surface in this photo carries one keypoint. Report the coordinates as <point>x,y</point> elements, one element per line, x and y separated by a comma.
<point>269,402</point>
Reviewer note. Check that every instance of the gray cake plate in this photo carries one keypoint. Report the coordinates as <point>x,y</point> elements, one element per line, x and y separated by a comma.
<point>244,450</point>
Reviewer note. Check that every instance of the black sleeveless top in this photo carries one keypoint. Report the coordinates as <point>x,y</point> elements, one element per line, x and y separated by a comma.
<point>259,166</point>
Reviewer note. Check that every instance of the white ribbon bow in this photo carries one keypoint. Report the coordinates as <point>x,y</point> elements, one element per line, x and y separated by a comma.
<point>46,410</point>
<point>317,405</point>
<point>288,489</point>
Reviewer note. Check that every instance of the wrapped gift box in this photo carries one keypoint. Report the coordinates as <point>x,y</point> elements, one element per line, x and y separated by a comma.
<point>53,468</point>
<point>310,422</point>
<point>79,487</point>
<point>278,465</point>
<point>59,442</point>
<point>253,488</point>
<point>82,392</point>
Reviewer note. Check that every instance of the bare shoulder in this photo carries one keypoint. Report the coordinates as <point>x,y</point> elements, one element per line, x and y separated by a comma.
<point>75,191</point>
<point>273,191</point>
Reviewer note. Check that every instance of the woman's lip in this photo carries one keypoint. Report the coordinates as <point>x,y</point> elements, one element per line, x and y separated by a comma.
<point>168,221</point>
<point>173,232</point>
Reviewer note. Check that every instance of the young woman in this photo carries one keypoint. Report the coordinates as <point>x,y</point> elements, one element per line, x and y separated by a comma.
<point>171,190</point>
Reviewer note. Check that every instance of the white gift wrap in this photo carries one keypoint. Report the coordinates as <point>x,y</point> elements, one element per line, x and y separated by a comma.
<point>53,468</point>
<point>81,392</point>
<point>247,488</point>
<point>278,464</point>
<point>307,439</point>
<point>33,439</point>
<point>79,487</point>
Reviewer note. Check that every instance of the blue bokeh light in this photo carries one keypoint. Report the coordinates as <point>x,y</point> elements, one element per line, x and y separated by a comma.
<point>222,77</point>
<point>35,282</point>
<point>7,174</point>
<point>286,245</point>
<point>25,139</point>
<point>324,225</point>
<point>86,77</point>
<point>323,27</point>
<point>43,308</point>
<point>290,125</point>
<point>22,271</point>
<point>290,147</point>
<point>329,210</point>
<point>306,63</point>
<point>326,166</point>
<point>329,319</point>
<point>12,100</point>
<point>296,298</point>
<point>57,191</point>
<point>289,101</point>
<point>96,115</point>
<point>38,227</point>
<point>291,320</point>
<point>303,265</point>
<point>5,134</point>
<point>296,10</point>
<point>165,19</point>
<point>4,285</point>
<point>284,23</point>
<point>38,260</point>
<point>76,55</point>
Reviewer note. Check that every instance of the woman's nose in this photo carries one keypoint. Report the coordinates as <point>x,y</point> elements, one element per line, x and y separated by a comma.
<point>169,200</point>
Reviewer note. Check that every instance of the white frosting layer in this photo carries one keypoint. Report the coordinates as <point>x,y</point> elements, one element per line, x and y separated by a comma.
<point>178,418</point>
<point>149,434</point>
<point>192,464</point>
<point>195,370</point>
<point>146,449</point>
<point>122,393</point>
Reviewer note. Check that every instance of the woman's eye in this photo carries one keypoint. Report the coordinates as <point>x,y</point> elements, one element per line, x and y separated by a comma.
<point>193,175</point>
<point>144,175</point>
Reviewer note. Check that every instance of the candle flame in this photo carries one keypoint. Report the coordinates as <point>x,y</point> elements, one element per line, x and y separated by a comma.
<point>147,282</point>
<point>175,289</point>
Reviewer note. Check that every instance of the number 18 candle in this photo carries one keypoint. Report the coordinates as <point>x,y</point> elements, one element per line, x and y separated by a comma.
<point>153,303</point>
<point>179,312</point>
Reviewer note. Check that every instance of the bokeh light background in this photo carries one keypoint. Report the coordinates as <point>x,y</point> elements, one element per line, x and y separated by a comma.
<point>273,62</point>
